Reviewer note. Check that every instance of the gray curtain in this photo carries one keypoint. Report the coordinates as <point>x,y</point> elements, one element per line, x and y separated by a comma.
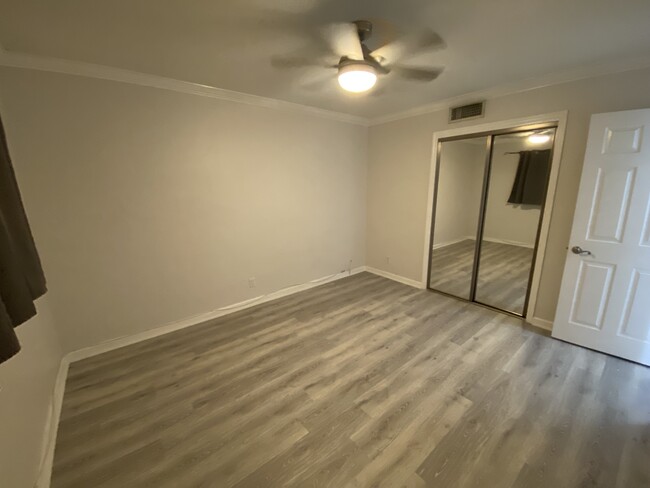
<point>529,187</point>
<point>21,275</point>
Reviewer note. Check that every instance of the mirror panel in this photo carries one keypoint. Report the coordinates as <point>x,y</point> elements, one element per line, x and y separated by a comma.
<point>461,167</point>
<point>517,183</point>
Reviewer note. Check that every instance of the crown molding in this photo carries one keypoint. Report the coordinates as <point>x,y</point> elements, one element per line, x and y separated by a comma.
<point>75,68</point>
<point>519,86</point>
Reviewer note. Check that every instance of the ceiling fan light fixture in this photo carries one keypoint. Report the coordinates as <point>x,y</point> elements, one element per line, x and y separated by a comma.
<point>539,138</point>
<point>357,77</point>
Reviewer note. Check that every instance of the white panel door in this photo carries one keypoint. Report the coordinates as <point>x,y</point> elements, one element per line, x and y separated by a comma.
<point>605,295</point>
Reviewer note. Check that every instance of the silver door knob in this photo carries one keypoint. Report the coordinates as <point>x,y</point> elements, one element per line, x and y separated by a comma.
<point>578,250</point>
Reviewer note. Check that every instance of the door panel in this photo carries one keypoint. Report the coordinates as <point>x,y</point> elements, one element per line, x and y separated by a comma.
<point>461,169</point>
<point>636,317</point>
<point>621,141</point>
<point>511,219</point>
<point>604,295</point>
<point>594,286</point>
<point>611,204</point>
<point>645,234</point>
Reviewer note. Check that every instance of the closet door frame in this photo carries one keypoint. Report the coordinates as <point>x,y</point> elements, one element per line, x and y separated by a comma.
<point>556,120</point>
<point>487,166</point>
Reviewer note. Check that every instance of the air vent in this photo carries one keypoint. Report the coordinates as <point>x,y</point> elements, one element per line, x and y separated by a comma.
<point>470,111</point>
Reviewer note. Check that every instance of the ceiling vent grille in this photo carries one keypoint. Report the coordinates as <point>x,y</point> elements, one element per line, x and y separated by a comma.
<point>469,111</point>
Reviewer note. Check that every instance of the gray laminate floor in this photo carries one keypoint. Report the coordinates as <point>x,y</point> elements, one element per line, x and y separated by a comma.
<point>503,275</point>
<point>361,382</point>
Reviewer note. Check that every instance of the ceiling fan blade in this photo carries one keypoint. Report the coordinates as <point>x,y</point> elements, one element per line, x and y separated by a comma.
<point>290,62</point>
<point>377,91</point>
<point>416,74</point>
<point>410,45</point>
<point>383,33</point>
<point>317,83</point>
<point>343,38</point>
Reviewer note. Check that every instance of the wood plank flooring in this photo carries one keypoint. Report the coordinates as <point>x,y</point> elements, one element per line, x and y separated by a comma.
<point>363,382</point>
<point>503,273</point>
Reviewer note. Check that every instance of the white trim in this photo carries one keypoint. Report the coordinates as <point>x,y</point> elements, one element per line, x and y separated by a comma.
<point>489,239</point>
<point>541,323</point>
<point>452,242</point>
<point>52,426</point>
<point>201,318</point>
<point>560,118</point>
<point>77,68</point>
<point>394,277</point>
<point>56,65</point>
<point>510,243</point>
<point>556,161</point>
<point>580,73</point>
<point>49,442</point>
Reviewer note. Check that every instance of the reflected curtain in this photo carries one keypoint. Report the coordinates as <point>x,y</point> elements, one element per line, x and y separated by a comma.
<point>21,275</point>
<point>529,187</point>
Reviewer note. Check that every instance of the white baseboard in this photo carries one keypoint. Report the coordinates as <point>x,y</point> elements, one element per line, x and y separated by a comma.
<point>394,277</point>
<point>511,243</point>
<point>489,239</point>
<point>49,443</point>
<point>541,323</point>
<point>452,242</point>
<point>204,317</point>
<point>536,321</point>
<point>52,426</point>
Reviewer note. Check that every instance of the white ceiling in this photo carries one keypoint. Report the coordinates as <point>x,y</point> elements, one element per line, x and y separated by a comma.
<point>229,44</point>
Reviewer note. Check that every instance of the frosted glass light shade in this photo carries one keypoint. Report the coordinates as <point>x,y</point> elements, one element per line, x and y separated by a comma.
<point>357,78</point>
<point>539,138</point>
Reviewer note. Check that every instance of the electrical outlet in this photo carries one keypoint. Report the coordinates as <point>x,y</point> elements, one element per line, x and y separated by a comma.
<point>387,259</point>
<point>251,282</point>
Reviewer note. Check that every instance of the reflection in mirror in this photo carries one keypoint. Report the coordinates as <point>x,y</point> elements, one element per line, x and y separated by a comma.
<point>517,184</point>
<point>461,166</point>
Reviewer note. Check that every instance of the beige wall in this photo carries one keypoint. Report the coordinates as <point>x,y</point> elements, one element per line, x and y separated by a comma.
<point>460,187</point>
<point>26,386</point>
<point>154,206</point>
<point>400,156</point>
<point>150,206</point>
<point>459,191</point>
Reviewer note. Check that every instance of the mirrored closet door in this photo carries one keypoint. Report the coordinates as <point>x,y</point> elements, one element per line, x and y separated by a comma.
<point>461,171</point>
<point>489,197</point>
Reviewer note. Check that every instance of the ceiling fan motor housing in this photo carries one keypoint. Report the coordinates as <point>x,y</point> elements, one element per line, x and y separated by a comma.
<point>364,27</point>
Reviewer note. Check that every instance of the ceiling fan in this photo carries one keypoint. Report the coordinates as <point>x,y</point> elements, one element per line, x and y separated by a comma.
<point>359,67</point>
